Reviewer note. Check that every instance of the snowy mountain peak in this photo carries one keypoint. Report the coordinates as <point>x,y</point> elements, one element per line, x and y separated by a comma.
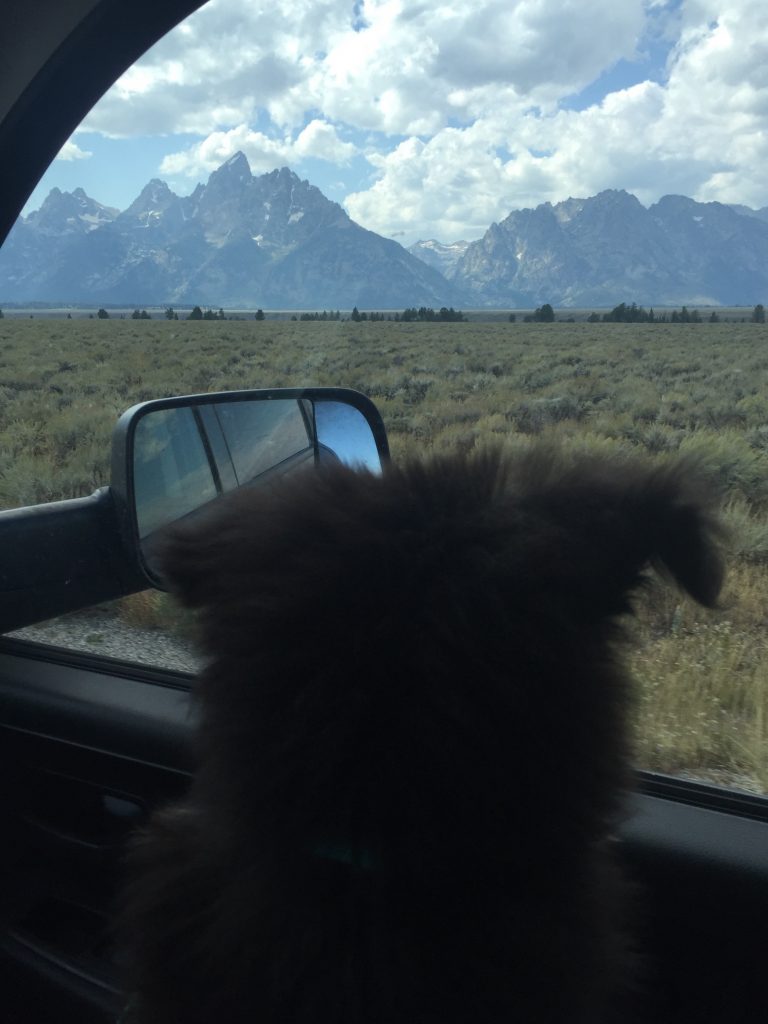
<point>69,212</point>
<point>238,240</point>
<point>236,169</point>
<point>231,178</point>
<point>440,255</point>
<point>239,161</point>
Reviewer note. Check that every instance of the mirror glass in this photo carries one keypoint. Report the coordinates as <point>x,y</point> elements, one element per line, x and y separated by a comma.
<point>344,430</point>
<point>172,472</point>
<point>188,452</point>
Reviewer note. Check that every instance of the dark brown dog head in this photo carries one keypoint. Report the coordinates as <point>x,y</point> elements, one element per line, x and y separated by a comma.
<point>412,742</point>
<point>451,617</point>
<point>581,531</point>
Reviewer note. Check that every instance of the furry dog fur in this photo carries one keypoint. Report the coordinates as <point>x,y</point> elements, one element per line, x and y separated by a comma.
<point>413,744</point>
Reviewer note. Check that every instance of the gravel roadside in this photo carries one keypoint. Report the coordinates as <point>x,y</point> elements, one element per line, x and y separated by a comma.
<point>102,633</point>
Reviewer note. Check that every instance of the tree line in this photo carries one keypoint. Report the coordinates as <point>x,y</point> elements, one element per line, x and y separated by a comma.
<point>625,313</point>
<point>632,314</point>
<point>424,314</point>
<point>196,313</point>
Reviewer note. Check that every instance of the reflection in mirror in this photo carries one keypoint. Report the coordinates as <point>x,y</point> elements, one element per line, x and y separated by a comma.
<point>260,435</point>
<point>190,451</point>
<point>171,470</point>
<point>345,431</point>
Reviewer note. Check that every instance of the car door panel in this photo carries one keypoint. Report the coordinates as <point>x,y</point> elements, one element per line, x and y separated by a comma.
<point>87,749</point>
<point>74,784</point>
<point>702,877</point>
<point>97,703</point>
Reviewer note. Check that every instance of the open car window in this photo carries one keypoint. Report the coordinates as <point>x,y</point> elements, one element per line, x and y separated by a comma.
<point>409,201</point>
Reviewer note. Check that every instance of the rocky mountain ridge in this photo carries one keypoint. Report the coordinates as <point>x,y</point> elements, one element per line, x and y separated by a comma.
<point>276,241</point>
<point>610,248</point>
<point>272,240</point>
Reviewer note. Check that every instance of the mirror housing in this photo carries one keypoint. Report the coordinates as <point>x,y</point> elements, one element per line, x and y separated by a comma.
<point>173,456</point>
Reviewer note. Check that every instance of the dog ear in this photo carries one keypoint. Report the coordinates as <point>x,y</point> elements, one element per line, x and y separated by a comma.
<point>572,534</point>
<point>610,520</point>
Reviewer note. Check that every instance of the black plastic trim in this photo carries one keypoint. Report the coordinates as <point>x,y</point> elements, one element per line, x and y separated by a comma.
<point>669,832</point>
<point>106,42</point>
<point>62,556</point>
<point>122,717</point>
<point>102,663</point>
<point>122,484</point>
<point>702,794</point>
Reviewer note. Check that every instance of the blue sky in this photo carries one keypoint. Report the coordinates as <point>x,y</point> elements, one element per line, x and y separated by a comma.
<point>431,120</point>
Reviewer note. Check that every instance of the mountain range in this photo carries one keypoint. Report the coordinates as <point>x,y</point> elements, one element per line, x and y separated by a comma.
<point>273,241</point>
<point>276,241</point>
<point>610,248</point>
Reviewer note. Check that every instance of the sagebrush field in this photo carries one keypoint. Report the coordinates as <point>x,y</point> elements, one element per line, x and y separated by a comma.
<point>660,389</point>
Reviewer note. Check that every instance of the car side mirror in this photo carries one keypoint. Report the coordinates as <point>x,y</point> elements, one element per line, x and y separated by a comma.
<point>172,457</point>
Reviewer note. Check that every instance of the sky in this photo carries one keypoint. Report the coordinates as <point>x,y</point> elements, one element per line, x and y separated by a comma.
<point>435,119</point>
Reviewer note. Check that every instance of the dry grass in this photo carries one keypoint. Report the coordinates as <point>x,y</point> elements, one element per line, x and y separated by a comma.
<point>660,389</point>
<point>703,693</point>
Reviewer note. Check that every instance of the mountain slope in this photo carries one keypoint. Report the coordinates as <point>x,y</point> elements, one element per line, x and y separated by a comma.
<point>239,240</point>
<point>276,241</point>
<point>609,248</point>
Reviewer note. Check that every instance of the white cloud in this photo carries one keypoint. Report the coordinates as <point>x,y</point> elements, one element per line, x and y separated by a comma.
<point>461,105</point>
<point>199,160</point>
<point>226,61</point>
<point>461,180</point>
<point>71,151</point>
<point>444,188</point>
<point>319,139</point>
<point>417,67</point>
<point>409,70</point>
<point>702,133</point>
